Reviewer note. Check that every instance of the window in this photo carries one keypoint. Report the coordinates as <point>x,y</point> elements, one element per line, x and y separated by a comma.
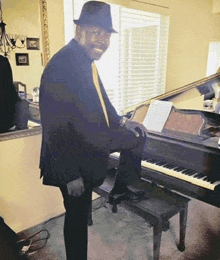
<point>68,20</point>
<point>213,58</point>
<point>134,67</point>
<point>143,41</point>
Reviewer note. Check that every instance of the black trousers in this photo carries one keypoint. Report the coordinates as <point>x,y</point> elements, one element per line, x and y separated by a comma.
<point>75,224</point>
<point>77,208</point>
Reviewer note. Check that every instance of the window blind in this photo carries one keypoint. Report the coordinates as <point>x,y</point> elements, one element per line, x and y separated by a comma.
<point>143,42</point>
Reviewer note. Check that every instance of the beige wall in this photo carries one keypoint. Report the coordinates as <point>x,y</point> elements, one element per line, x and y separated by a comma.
<point>56,25</point>
<point>24,201</point>
<point>23,17</point>
<point>216,6</point>
<point>192,27</point>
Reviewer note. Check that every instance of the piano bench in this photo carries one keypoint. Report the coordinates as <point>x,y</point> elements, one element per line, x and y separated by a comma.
<point>158,207</point>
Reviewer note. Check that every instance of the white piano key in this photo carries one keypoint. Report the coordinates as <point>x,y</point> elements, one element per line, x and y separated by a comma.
<point>177,174</point>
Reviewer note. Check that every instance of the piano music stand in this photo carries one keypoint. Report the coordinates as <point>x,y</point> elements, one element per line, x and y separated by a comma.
<point>185,121</point>
<point>160,205</point>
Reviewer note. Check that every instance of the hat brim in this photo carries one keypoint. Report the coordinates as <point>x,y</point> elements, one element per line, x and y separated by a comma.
<point>78,22</point>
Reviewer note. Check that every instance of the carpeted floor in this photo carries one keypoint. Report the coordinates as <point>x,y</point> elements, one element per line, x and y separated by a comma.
<point>126,236</point>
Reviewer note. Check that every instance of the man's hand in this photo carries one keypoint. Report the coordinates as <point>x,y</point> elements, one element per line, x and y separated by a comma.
<point>135,127</point>
<point>76,187</point>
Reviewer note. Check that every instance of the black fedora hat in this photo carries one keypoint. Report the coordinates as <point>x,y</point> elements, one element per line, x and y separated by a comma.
<point>97,14</point>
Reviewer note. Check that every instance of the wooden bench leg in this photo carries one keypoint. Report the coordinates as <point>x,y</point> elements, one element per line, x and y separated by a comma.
<point>157,240</point>
<point>183,221</point>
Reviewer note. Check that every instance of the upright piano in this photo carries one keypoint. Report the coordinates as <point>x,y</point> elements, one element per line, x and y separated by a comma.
<point>185,155</point>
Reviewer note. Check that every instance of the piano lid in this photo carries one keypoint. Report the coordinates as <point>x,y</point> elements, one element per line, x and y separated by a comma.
<point>190,96</point>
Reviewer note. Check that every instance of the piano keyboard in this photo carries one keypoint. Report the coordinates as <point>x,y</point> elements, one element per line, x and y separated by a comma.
<point>182,173</point>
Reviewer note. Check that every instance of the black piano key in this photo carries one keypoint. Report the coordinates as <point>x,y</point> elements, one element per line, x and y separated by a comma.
<point>179,169</point>
<point>166,166</point>
<point>150,160</point>
<point>169,166</point>
<point>160,163</point>
<point>176,168</point>
<point>195,176</point>
<point>189,172</point>
<point>206,179</point>
<point>200,175</point>
<point>186,171</point>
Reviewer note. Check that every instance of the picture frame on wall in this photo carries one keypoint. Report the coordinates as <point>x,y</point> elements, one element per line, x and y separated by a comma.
<point>22,59</point>
<point>33,43</point>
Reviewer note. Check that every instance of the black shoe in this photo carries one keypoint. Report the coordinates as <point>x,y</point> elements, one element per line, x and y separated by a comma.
<point>134,196</point>
<point>128,195</point>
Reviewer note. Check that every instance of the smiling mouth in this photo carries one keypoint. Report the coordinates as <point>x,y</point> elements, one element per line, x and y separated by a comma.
<point>98,50</point>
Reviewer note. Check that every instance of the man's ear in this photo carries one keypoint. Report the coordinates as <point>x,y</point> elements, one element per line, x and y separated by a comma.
<point>78,32</point>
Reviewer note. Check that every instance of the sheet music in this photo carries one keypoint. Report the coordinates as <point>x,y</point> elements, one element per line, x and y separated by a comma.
<point>157,115</point>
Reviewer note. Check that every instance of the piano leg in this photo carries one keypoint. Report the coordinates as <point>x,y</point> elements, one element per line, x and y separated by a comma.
<point>183,220</point>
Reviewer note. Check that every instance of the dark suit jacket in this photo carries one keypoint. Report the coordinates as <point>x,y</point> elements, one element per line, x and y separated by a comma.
<point>76,139</point>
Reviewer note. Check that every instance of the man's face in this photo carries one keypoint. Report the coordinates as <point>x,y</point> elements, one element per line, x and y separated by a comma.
<point>95,40</point>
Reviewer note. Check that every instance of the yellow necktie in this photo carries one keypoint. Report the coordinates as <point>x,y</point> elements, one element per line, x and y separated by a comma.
<point>96,83</point>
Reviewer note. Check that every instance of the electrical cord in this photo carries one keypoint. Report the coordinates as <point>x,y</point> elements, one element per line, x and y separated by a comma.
<point>29,246</point>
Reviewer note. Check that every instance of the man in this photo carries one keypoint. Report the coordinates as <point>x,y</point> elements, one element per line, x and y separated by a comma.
<point>13,109</point>
<point>8,96</point>
<point>81,127</point>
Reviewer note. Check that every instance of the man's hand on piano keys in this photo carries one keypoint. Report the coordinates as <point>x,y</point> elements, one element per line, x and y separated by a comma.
<point>136,128</point>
